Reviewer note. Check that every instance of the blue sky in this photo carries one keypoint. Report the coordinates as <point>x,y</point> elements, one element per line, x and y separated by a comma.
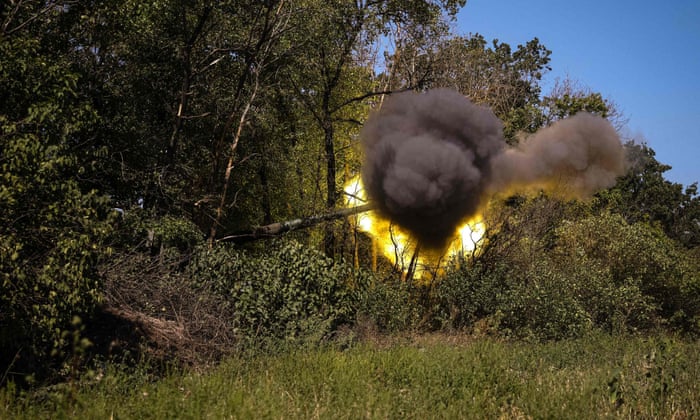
<point>643,55</point>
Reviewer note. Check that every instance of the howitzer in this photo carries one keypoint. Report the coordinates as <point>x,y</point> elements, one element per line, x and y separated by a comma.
<point>278,228</point>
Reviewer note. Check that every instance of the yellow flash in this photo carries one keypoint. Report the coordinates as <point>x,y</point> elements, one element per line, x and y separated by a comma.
<point>398,246</point>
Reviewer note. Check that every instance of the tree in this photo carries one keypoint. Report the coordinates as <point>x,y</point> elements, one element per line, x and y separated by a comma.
<point>645,266</point>
<point>268,23</point>
<point>569,97</point>
<point>135,60</point>
<point>505,80</point>
<point>331,62</point>
<point>644,195</point>
<point>177,84</point>
<point>52,224</point>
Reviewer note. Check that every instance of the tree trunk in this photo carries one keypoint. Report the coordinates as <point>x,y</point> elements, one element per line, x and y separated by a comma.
<point>265,201</point>
<point>185,87</point>
<point>229,166</point>
<point>329,235</point>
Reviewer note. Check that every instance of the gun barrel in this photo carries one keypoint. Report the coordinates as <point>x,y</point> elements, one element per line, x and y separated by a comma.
<point>278,228</point>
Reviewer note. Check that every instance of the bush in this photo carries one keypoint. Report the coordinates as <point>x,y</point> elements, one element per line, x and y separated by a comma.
<point>141,230</point>
<point>538,303</point>
<point>544,304</point>
<point>288,292</point>
<point>468,293</point>
<point>641,259</point>
<point>598,272</point>
<point>391,305</point>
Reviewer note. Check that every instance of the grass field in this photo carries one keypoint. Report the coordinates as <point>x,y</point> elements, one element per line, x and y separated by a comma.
<point>427,376</point>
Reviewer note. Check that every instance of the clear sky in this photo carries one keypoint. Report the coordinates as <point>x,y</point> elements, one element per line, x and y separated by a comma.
<point>643,55</point>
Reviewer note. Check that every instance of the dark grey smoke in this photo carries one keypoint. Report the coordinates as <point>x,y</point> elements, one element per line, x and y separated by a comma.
<point>431,159</point>
<point>427,160</point>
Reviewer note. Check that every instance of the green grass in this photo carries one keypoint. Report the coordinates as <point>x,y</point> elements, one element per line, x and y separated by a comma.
<point>420,377</point>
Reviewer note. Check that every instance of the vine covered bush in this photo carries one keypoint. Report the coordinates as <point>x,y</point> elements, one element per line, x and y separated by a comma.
<point>289,291</point>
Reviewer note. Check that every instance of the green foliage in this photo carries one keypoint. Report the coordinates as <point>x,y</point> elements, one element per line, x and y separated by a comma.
<point>643,195</point>
<point>51,226</point>
<point>136,100</point>
<point>177,232</point>
<point>496,75</point>
<point>539,303</point>
<point>140,228</point>
<point>569,97</point>
<point>569,104</point>
<point>391,306</point>
<point>289,291</point>
<point>467,294</point>
<point>542,304</point>
<point>559,280</point>
<point>641,259</point>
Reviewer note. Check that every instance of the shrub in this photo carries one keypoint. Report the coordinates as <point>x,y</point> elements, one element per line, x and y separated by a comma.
<point>538,303</point>
<point>544,303</point>
<point>596,272</point>
<point>289,292</point>
<point>640,259</point>
<point>468,293</point>
<point>391,305</point>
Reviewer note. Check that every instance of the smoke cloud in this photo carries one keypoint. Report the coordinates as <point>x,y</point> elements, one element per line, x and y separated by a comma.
<point>574,157</point>
<point>432,158</point>
<point>427,160</point>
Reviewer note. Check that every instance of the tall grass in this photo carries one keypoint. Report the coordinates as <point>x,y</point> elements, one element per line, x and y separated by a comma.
<point>421,377</point>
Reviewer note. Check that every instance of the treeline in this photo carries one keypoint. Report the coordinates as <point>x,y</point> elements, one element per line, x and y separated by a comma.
<point>135,134</point>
